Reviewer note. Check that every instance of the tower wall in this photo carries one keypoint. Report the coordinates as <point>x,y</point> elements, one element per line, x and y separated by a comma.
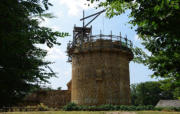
<point>100,74</point>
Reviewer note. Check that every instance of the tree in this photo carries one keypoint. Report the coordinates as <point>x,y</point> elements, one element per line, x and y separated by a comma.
<point>157,23</point>
<point>134,94</point>
<point>148,93</point>
<point>177,93</point>
<point>59,88</point>
<point>22,65</point>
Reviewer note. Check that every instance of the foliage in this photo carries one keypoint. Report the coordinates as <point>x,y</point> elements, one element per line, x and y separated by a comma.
<point>109,107</point>
<point>70,107</point>
<point>94,112</point>
<point>157,23</point>
<point>177,93</point>
<point>59,88</point>
<point>42,107</point>
<point>45,88</point>
<point>22,64</point>
<point>149,93</point>
<point>167,108</point>
<point>168,85</point>
<point>106,107</point>
<point>39,107</point>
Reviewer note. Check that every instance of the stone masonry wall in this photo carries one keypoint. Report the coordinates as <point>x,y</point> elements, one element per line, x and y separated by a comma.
<point>100,75</point>
<point>50,98</point>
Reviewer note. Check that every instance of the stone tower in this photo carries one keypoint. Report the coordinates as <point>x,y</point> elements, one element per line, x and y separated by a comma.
<point>100,68</point>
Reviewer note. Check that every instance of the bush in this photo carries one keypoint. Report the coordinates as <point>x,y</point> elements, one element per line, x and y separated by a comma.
<point>131,108</point>
<point>42,107</point>
<point>138,108</point>
<point>84,108</point>
<point>71,107</point>
<point>39,107</point>
<point>106,107</point>
<point>149,107</point>
<point>167,108</point>
<point>177,109</point>
<point>109,107</point>
<point>123,107</point>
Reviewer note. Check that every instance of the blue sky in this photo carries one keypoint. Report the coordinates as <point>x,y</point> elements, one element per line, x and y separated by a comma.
<point>68,13</point>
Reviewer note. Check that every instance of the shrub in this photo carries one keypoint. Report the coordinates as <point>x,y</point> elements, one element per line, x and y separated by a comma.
<point>123,107</point>
<point>108,107</point>
<point>158,108</point>
<point>116,107</point>
<point>92,108</point>
<point>42,107</point>
<point>71,107</point>
<point>30,108</point>
<point>84,108</point>
<point>167,108</point>
<point>177,109</point>
<point>149,107</point>
<point>131,108</point>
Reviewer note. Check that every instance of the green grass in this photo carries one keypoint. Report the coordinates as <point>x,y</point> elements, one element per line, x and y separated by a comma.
<point>56,112</point>
<point>93,112</point>
<point>156,112</point>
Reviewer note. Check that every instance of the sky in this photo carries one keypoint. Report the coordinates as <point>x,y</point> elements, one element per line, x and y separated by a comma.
<point>68,14</point>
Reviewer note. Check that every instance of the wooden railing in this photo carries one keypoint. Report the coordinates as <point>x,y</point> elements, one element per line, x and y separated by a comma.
<point>122,42</point>
<point>93,38</point>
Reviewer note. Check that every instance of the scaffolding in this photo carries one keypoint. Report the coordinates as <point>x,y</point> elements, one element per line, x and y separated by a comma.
<point>82,35</point>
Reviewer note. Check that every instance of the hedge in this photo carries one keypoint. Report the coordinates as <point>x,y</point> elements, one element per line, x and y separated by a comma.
<point>109,107</point>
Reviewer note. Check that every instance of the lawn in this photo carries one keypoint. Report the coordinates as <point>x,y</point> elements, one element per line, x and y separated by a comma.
<point>94,112</point>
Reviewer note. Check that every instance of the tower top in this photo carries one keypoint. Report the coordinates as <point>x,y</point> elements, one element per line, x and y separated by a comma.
<point>83,35</point>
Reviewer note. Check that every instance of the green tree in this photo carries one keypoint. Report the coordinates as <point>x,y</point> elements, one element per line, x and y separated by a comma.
<point>157,23</point>
<point>22,65</point>
<point>133,94</point>
<point>177,93</point>
<point>148,93</point>
<point>59,88</point>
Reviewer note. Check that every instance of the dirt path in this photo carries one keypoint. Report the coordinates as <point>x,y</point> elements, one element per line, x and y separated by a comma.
<point>120,113</point>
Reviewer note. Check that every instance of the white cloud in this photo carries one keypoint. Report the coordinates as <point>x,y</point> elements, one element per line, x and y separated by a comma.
<point>147,52</point>
<point>48,23</point>
<point>136,38</point>
<point>55,28</point>
<point>58,13</point>
<point>44,22</point>
<point>75,6</point>
<point>55,54</point>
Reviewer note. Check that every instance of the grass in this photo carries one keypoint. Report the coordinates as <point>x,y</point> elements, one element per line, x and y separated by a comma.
<point>56,112</point>
<point>93,112</point>
<point>156,112</point>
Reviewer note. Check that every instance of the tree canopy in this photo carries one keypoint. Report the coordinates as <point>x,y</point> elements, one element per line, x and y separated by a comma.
<point>22,64</point>
<point>157,23</point>
<point>149,93</point>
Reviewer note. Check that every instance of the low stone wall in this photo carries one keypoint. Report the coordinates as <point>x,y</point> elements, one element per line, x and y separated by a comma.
<point>168,103</point>
<point>50,98</point>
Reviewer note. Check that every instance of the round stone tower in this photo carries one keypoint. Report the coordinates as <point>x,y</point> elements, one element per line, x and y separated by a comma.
<point>100,68</point>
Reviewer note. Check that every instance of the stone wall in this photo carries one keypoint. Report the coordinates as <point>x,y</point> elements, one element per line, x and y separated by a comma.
<point>50,98</point>
<point>100,75</point>
<point>168,103</point>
